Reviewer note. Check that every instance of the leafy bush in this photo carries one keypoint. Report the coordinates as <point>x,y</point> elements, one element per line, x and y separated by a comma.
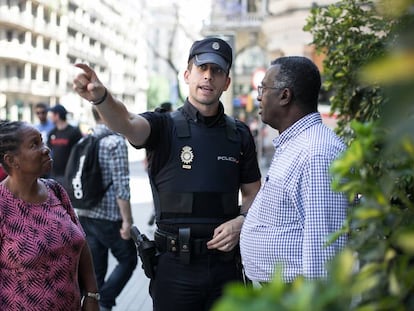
<point>350,33</point>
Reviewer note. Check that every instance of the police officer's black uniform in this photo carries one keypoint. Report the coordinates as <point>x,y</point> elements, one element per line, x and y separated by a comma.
<point>196,165</point>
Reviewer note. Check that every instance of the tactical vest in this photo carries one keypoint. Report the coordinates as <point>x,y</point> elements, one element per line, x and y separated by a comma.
<point>200,182</point>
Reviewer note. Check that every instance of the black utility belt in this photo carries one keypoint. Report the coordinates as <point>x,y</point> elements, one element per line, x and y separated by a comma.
<point>185,246</point>
<point>169,242</point>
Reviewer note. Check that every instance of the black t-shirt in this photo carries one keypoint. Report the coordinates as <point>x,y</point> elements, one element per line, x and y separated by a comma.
<point>60,143</point>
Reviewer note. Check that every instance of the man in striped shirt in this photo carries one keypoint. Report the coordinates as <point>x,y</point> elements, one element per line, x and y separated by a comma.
<point>296,208</point>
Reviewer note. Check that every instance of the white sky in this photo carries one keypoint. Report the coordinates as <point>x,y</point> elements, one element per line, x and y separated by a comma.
<point>194,11</point>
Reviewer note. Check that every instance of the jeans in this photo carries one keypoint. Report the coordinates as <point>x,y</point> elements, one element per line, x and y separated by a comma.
<point>196,286</point>
<point>102,236</point>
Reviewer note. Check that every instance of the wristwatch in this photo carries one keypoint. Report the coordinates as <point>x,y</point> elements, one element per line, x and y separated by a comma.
<point>95,296</point>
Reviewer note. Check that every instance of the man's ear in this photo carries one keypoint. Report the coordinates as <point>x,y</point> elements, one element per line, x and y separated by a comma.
<point>227,83</point>
<point>286,96</point>
<point>186,75</point>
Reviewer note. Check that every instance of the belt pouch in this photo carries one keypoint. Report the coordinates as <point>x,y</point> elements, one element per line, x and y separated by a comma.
<point>184,242</point>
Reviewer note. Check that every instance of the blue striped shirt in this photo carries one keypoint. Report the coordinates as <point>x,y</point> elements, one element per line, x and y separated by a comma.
<point>296,209</point>
<point>113,160</point>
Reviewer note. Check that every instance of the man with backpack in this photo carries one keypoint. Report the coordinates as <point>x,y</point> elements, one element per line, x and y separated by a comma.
<point>108,223</point>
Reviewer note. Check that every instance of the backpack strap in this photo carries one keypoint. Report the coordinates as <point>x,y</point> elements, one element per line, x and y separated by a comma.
<point>98,138</point>
<point>57,190</point>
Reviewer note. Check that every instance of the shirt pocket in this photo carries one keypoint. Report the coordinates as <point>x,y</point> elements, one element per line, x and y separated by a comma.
<point>277,207</point>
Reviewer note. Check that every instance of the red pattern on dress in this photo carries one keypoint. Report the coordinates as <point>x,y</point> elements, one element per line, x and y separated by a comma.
<point>40,246</point>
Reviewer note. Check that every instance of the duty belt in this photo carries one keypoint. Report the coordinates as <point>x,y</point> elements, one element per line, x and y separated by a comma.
<point>181,244</point>
<point>185,246</point>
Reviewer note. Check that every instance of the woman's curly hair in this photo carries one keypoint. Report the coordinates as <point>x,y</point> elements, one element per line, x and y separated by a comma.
<point>10,139</point>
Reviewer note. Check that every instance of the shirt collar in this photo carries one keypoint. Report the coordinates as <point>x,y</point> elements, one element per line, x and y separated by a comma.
<point>100,128</point>
<point>296,128</point>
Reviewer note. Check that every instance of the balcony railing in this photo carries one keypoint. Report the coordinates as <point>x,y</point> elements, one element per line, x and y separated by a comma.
<point>234,21</point>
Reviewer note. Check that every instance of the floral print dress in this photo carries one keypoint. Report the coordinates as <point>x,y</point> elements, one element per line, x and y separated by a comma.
<point>40,246</point>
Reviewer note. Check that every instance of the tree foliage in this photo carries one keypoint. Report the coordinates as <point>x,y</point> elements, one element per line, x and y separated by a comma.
<point>350,33</point>
<point>373,90</point>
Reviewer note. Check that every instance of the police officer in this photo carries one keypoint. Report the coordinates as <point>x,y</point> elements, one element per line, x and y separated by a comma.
<point>200,159</point>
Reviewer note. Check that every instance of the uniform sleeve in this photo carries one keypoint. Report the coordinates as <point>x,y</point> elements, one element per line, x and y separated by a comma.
<point>250,171</point>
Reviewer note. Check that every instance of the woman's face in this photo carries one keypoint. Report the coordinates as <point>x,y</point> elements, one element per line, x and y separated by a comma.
<point>33,157</point>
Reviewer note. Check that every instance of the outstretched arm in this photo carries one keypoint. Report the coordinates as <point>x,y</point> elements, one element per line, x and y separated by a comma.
<point>113,112</point>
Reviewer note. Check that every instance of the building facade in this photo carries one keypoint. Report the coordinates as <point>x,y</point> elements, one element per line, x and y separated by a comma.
<point>40,41</point>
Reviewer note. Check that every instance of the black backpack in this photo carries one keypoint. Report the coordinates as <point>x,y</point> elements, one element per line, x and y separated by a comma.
<point>83,176</point>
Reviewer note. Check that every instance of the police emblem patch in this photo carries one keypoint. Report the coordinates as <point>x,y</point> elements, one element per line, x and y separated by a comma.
<point>187,157</point>
<point>215,46</point>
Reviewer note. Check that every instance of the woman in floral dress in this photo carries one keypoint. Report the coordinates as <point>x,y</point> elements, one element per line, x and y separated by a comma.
<point>45,262</point>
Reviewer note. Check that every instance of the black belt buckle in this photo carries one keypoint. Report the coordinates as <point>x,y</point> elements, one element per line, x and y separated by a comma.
<point>184,242</point>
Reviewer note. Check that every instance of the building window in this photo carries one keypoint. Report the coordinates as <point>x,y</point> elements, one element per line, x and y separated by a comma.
<point>34,10</point>
<point>21,38</point>
<point>19,72</point>
<point>72,7</point>
<point>9,35</point>
<point>47,17</point>
<point>72,60</point>
<point>71,32</point>
<point>33,73</point>
<point>46,73</point>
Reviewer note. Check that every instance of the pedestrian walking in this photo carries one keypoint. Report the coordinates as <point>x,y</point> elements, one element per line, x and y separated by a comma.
<point>60,141</point>
<point>45,125</point>
<point>108,224</point>
<point>200,159</point>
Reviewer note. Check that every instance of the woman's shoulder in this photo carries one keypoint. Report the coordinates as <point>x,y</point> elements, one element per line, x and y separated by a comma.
<point>57,189</point>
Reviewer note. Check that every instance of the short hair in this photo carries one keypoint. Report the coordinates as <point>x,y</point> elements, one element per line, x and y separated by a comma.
<point>301,75</point>
<point>41,105</point>
<point>10,139</point>
<point>167,106</point>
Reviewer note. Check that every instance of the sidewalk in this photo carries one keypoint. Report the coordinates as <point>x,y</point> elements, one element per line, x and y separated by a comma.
<point>135,296</point>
